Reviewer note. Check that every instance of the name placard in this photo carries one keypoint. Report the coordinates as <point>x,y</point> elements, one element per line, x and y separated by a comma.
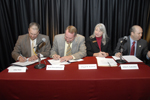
<point>87,66</point>
<point>55,67</point>
<point>128,66</point>
<point>13,69</point>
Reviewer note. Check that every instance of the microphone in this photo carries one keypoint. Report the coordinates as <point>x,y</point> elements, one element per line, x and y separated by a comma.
<point>43,40</point>
<point>124,40</point>
<point>40,66</point>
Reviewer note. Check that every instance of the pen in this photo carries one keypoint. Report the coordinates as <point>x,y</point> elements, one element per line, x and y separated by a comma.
<point>65,61</point>
<point>109,64</point>
<point>23,57</point>
<point>44,62</point>
<point>68,61</point>
<point>49,62</point>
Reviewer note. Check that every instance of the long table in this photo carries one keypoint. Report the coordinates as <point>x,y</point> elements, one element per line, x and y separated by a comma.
<point>103,83</point>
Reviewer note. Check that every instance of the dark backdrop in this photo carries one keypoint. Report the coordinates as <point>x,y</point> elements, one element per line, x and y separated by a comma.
<point>55,15</point>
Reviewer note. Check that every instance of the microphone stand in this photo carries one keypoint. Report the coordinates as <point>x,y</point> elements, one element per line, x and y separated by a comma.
<point>39,66</point>
<point>121,61</point>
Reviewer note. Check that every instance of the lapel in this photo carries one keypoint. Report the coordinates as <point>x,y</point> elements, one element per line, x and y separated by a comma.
<point>38,39</point>
<point>29,45</point>
<point>94,43</point>
<point>74,45</point>
<point>61,45</point>
<point>128,45</point>
<point>138,48</point>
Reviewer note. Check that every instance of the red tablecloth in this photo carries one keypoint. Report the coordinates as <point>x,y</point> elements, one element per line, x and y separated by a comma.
<point>103,83</point>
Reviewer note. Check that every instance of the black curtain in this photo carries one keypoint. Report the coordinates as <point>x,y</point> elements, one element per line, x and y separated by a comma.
<point>55,15</point>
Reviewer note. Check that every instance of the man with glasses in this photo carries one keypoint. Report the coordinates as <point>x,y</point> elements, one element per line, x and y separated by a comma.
<point>25,45</point>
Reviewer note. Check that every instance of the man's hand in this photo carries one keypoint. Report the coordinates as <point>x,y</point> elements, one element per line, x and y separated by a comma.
<point>118,54</point>
<point>22,59</point>
<point>56,57</point>
<point>66,58</point>
<point>32,58</point>
<point>104,54</point>
<point>101,54</point>
<point>148,54</point>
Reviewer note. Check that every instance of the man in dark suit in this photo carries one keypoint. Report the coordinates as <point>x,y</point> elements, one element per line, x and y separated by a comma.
<point>25,44</point>
<point>71,40</point>
<point>140,45</point>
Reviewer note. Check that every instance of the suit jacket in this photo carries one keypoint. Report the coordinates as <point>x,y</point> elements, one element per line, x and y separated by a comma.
<point>23,47</point>
<point>92,46</point>
<point>141,49</point>
<point>78,46</point>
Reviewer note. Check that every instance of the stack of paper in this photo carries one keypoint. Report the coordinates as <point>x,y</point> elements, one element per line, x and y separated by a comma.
<point>57,62</point>
<point>106,61</point>
<point>76,60</point>
<point>128,58</point>
<point>26,63</point>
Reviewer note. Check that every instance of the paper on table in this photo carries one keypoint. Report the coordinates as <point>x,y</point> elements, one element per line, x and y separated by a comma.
<point>106,61</point>
<point>57,62</point>
<point>26,63</point>
<point>117,58</point>
<point>130,58</point>
<point>75,60</point>
<point>43,58</point>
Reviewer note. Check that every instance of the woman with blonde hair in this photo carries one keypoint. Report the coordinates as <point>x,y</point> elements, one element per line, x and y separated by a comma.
<point>98,44</point>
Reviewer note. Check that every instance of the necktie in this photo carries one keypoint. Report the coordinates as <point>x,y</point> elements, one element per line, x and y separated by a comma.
<point>32,49</point>
<point>68,52</point>
<point>132,48</point>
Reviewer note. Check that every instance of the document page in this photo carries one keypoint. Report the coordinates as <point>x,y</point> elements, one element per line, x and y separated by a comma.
<point>117,58</point>
<point>26,63</point>
<point>130,58</point>
<point>106,62</point>
<point>76,60</point>
<point>57,62</point>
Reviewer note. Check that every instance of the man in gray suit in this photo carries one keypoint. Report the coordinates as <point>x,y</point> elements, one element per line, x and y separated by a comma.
<point>25,44</point>
<point>72,40</point>
<point>140,45</point>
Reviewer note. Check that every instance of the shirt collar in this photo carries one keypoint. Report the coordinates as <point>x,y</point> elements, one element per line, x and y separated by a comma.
<point>132,40</point>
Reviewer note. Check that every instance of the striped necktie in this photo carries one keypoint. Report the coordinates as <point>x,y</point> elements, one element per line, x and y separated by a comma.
<point>68,52</point>
<point>32,49</point>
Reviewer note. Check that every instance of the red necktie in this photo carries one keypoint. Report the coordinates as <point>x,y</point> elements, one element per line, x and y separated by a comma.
<point>132,48</point>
